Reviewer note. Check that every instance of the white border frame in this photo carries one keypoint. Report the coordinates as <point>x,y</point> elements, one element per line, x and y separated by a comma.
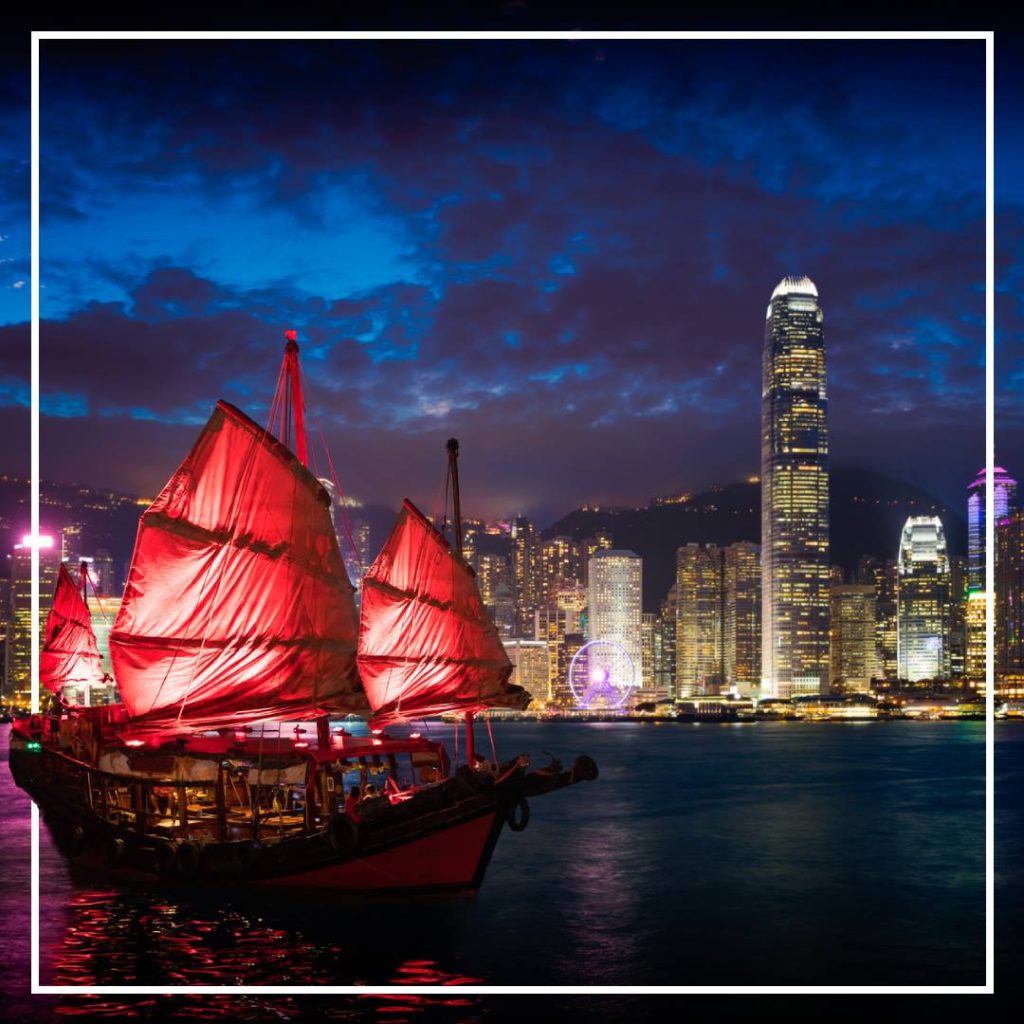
<point>323,990</point>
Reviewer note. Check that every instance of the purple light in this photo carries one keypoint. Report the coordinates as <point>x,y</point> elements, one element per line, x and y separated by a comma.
<point>44,540</point>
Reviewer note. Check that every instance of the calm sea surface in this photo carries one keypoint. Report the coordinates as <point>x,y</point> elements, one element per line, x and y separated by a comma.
<point>762,853</point>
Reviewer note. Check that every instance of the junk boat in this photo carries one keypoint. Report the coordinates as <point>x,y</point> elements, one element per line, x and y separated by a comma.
<point>238,615</point>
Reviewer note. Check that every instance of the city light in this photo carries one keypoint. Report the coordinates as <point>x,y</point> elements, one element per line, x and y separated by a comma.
<point>41,541</point>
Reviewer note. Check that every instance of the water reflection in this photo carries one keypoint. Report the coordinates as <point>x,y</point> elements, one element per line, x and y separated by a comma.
<point>213,937</point>
<point>702,855</point>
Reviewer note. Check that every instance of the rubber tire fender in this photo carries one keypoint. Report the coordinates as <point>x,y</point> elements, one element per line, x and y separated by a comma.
<point>517,814</point>
<point>343,834</point>
<point>584,769</point>
<point>165,860</point>
<point>73,841</point>
<point>188,863</point>
<point>115,851</point>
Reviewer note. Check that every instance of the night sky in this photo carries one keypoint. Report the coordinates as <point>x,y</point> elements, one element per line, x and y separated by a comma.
<point>560,252</point>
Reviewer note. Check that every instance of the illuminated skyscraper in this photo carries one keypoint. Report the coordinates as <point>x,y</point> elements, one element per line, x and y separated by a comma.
<point>20,681</point>
<point>526,577</point>
<point>589,546</point>
<point>794,495</point>
<point>923,628</point>
<point>530,667</point>
<point>668,642</point>
<point>1009,638</point>
<point>852,642</point>
<point>883,577</point>
<point>698,619</point>
<point>491,571</point>
<point>974,641</point>
<point>614,603</point>
<point>559,563</point>
<point>1004,489</point>
<point>71,543</point>
<point>551,625</point>
<point>741,616</point>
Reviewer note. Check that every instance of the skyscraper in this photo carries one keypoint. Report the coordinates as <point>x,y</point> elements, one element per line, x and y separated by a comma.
<point>741,616</point>
<point>669,611</point>
<point>614,605</point>
<point>559,562</point>
<point>20,681</point>
<point>1004,498</point>
<point>852,628</point>
<point>974,639</point>
<point>1009,604</point>
<point>923,622</point>
<point>526,576</point>
<point>794,495</point>
<point>698,619</point>
<point>883,576</point>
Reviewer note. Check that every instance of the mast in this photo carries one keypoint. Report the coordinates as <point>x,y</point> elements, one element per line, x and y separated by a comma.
<point>453,471</point>
<point>83,569</point>
<point>291,418</point>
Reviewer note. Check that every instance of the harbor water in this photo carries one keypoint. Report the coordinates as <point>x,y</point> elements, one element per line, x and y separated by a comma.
<point>764,853</point>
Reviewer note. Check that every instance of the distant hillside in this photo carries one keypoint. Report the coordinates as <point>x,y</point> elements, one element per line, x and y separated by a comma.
<point>867,513</point>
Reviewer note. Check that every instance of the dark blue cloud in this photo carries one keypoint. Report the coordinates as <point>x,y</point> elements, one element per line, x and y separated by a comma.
<point>562,250</point>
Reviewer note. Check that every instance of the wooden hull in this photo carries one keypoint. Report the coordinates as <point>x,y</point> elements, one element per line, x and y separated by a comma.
<point>443,850</point>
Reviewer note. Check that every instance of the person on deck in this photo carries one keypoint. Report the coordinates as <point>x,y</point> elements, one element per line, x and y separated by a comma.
<point>352,803</point>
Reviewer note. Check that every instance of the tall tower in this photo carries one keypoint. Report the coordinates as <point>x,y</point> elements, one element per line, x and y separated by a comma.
<point>741,616</point>
<point>923,628</point>
<point>20,680</point>
<point>1009,602</point>
<point>1004,499</point>
<point>698,619</point>
<point>614,605</point>
<point>794,495</point>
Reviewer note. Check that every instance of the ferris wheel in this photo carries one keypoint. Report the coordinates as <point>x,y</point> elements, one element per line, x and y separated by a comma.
<point>601,675</point>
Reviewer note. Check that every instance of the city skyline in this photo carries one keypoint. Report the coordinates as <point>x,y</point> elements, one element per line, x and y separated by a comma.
<point>524,290</point>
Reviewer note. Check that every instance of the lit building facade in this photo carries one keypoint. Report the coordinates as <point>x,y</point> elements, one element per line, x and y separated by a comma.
<point>975,647</point>
<point>669,612</point>
<point>852,637</point>
<point>589,546</point>
<point>650,653</point>
<point>923,617</point>
<point>20,662</point>
<point>1009,603</point>
<point>551,625</point>
<point>884,577</point>
<point>1004,497</point>
<point>614,604</point>
<point>698,619</point>
<point>559,564</point>
<point>794,495</point>
<point>741,617</point>
<point>526,572</point>
<point>491,572</point>
<point>71,549</point>
<point>530,667</point>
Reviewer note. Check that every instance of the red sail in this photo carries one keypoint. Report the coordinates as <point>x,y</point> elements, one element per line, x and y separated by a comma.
<point>70,656</point>
<point>237,605</point>
<point>426,644</point>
